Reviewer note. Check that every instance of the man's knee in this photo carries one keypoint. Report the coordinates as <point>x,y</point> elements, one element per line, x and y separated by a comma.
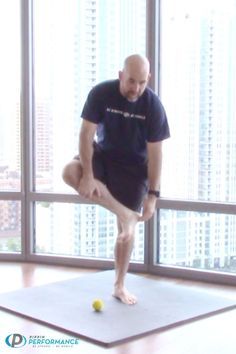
<point>71,172</point>
<point>125,238</point>
<point>66,173</point>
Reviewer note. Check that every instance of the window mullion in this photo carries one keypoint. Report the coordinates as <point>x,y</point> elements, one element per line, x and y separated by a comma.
<point>26,119</point>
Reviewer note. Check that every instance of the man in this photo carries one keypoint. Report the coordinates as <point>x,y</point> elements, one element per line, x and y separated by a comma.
<point>120,155</point>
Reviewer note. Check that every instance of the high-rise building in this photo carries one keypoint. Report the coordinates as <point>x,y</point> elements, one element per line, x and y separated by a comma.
<point>94,40</point>
<point>203,112</point>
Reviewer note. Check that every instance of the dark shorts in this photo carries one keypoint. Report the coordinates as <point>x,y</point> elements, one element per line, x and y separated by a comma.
<point>127,184</point>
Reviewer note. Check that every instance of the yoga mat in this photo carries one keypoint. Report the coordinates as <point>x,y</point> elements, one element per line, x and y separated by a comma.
<point>67,307</point>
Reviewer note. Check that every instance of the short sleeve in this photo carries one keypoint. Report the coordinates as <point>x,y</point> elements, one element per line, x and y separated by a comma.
<point>157,124</point>
<point>92,109</point>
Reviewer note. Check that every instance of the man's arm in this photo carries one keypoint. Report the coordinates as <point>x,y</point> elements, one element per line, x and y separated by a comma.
<point>154,151</point>
<point>154,164</point>
<point>87,184</point>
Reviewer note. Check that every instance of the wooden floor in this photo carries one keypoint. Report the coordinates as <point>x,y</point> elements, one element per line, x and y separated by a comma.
<point>213,335</point>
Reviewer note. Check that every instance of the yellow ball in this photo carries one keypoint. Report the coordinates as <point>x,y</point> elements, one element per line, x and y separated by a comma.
<point>98,305</point>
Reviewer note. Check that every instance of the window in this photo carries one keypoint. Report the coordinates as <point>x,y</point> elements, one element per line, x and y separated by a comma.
<point>53,53</point>
<point>198,80</point>
<point>203,140</point>
<point>76,45</point>
<point>198,240</point>
<point>80,230</point>
<point>10,126</point>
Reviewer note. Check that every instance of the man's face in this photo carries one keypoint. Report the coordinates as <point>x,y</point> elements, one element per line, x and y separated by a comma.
<point>133,83</point>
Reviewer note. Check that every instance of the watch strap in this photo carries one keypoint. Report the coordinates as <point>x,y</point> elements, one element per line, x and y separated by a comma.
<point>153,192</point>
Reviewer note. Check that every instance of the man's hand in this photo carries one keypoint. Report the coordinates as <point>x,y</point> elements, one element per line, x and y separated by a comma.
<point>88,187</point>
<point>149,207</point>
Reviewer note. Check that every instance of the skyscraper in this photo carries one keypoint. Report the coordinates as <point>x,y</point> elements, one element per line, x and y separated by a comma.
<point>89,47</point>
<point>201,106</point>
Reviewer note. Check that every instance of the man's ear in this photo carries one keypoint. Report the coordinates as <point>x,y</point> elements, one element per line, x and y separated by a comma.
<point>120,74</point>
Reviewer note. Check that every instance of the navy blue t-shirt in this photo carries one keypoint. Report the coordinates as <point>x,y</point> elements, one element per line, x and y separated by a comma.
<point>125,127</point>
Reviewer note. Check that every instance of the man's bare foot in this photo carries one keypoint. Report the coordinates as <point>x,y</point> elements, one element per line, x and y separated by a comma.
<point>124,296</point>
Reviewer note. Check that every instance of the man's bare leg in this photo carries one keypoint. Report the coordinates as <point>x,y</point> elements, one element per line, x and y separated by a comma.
<point>127,220</point>
<point>123,250</point>
<point>127,217</point>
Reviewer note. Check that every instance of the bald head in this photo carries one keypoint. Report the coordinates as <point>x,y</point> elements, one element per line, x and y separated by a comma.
<point>134,76</point>
<point>137,62</point>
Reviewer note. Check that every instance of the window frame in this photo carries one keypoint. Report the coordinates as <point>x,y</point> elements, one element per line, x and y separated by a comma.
<point>32,196</point>
<point>174,204</point>
<point>27,196</point>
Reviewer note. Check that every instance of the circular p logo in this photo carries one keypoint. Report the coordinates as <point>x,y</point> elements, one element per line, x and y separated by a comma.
<point>15,340</point>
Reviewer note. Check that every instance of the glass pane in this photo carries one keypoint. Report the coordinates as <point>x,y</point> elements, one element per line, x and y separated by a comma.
<point>198,80</point>
<point>198,240</point>
<point>10,226</point>
<point>10,152</point>
<point>77,44</point>
<point>79,230</point>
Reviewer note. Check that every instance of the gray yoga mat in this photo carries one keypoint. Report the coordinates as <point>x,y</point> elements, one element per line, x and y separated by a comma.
<point>66,306</point>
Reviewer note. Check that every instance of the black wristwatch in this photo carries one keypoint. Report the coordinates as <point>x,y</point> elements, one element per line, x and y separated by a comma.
<point>156,193</point>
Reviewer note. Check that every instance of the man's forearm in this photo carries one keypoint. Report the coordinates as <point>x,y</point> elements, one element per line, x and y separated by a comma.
<point>154,165</point>
<point>86,139</point>
<point>86,153</point>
